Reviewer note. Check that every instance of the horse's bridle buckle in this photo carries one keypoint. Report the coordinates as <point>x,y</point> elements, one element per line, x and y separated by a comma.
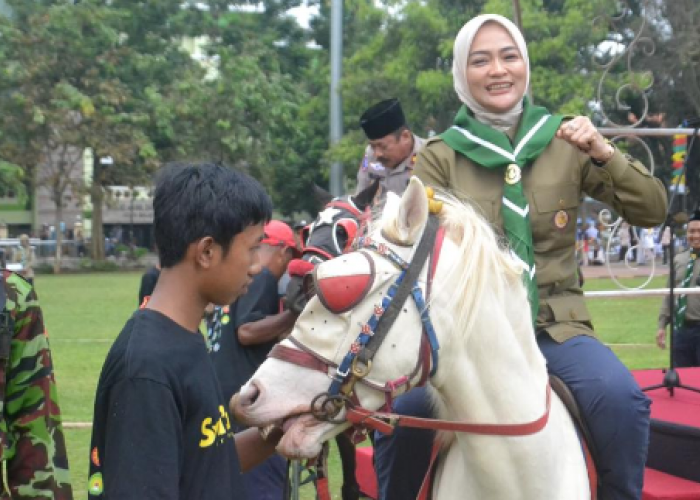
<point>326,407</point>
<point>361,369</point>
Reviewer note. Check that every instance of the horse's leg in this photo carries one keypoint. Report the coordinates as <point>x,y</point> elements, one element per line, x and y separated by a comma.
<point>346,448</point>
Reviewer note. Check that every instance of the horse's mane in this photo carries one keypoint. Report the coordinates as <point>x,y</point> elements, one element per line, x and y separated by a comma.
<point>482,270</point>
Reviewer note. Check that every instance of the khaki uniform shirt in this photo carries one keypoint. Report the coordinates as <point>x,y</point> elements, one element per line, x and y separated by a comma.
<point>692,309</point>
<point>554,186</point>
<point>395,179</point>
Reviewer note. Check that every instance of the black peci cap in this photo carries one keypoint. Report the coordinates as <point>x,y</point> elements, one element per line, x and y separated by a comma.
<point>695,216</point>
<point>382,119</point>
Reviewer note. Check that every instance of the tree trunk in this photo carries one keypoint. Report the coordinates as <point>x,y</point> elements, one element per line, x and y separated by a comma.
<point>97,197</point>
<point>59,236</point>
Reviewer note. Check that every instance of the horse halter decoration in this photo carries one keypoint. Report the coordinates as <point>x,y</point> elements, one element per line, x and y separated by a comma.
<point>331,234</point>
<point>357,362</point>
<point>337,215</point>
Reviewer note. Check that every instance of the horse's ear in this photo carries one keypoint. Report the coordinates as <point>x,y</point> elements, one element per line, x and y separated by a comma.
<point>413,211</point>
<point>322,196</point>
<point>364,198</point>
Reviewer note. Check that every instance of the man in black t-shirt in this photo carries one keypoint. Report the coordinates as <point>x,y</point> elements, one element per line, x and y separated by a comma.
<point>161,428</point>
<point>242,334</point>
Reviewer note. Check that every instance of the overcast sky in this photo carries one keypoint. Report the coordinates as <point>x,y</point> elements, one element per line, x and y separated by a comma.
<point>303,14</point>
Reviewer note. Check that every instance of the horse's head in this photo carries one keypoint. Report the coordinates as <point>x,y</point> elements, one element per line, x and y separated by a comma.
<point>328,236</point>
<point>332,335</point>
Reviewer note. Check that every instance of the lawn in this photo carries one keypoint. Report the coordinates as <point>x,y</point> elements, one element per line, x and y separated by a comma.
<point>84,313</point>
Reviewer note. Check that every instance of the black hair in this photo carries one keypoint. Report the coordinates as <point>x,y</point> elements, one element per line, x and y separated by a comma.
<point>196,200</point>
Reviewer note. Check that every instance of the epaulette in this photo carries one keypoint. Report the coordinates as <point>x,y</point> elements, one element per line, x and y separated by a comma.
<point>435,138</point>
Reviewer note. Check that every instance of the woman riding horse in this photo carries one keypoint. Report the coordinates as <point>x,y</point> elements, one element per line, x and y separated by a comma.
<point>528,170</point>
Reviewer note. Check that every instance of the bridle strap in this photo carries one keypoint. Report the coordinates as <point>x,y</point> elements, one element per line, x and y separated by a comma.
<point>386,422</point>
<point>297,357</point>
<point>394,309</point>
<point>305,357</point>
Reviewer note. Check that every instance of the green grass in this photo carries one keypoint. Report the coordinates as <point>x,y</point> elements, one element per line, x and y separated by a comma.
<point>629,325</point>
<point>84,313</point>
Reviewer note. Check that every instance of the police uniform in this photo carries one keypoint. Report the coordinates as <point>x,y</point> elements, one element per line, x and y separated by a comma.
<point>380,120</point>
<point>394,179</point>
<point>616,410</point>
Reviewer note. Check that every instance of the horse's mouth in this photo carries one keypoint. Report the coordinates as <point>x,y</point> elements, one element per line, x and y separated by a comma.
<point>302,435</point>
<point>283,424</point>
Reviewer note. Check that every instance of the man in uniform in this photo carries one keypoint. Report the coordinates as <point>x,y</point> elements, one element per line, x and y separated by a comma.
<point>32,445</point>
<point>686,326</point>
<point>392,149</point>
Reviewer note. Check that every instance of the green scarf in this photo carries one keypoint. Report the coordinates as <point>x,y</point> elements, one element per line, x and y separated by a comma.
<point>679,317</point>
<point>492,149</point>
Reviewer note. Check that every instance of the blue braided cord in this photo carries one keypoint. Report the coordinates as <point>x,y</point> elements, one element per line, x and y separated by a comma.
<point>342,372</point>
<point>428,326</point>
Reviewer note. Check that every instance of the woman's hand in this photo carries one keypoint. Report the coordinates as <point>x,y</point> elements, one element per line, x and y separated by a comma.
<point>581,133</point>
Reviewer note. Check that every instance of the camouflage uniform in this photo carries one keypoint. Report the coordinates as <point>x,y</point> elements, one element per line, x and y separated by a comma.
<point>31,437</point>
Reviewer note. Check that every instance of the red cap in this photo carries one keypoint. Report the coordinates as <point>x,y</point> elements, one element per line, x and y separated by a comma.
<point>279,234</point>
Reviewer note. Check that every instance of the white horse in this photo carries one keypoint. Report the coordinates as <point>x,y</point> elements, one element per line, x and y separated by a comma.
<point>490,369</point>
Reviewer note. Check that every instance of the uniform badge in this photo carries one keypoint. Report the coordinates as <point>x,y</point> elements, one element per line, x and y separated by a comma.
<point>512,174</point>
<point>95,484</point>
<point>377,167</point>
<point>95,457</point>
<point>561,219</point>
<point>225,319</point>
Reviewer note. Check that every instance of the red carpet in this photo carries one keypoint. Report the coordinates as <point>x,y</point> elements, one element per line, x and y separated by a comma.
<point>684,407</point>
<point>365,472</point>
<point>660,486</point>
<point>673,464</point>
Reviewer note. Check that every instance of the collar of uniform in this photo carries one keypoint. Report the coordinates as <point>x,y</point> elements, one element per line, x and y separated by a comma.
<point>409,160</point>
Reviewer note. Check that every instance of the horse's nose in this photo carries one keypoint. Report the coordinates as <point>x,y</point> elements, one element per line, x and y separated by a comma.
<point>250,393</point>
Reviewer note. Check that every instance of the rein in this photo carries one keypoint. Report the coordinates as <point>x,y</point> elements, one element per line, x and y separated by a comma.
<point>386,422</point>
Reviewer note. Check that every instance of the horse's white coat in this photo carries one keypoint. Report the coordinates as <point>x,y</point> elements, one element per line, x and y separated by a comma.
<point>490,371</point>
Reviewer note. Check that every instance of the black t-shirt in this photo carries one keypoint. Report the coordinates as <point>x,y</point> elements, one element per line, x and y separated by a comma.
<point>161,429</point>
<point>236,363</point>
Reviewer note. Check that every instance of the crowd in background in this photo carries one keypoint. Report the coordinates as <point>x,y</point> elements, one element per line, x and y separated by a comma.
<point>598,243</point>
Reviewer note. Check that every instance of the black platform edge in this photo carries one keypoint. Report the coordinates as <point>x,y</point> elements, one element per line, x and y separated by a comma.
<point>675,449</point>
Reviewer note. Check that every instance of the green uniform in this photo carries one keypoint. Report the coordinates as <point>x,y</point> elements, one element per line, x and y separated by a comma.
<point>692,311</point>
<point>31,437</point>
<point>554,186</point>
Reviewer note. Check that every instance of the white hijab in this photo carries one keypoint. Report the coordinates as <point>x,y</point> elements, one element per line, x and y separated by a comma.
<point>463,43</point>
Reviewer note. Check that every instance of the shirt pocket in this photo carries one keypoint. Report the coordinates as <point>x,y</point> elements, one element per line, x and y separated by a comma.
<point>555,212</point>
<point>567,308</point>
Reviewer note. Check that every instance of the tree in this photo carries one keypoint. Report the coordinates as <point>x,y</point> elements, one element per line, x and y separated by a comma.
<point>64,92</point>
